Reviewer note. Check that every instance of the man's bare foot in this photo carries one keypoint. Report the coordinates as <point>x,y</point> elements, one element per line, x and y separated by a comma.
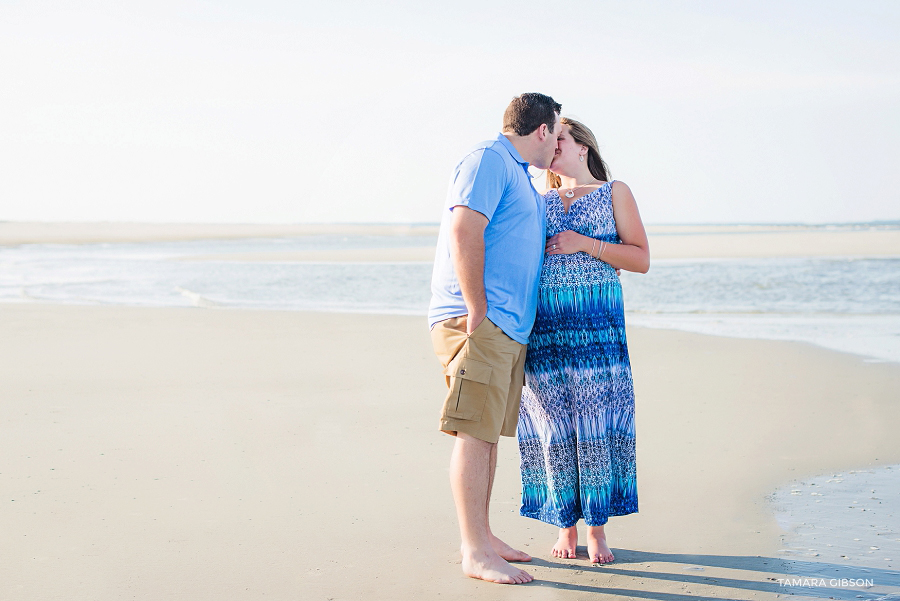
<point>598,550</point>
<point>487,565</point>
<point>566,544</point>
<point>507,552</point>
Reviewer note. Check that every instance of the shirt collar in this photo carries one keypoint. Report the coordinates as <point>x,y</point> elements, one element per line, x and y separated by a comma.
<point>512,150</point>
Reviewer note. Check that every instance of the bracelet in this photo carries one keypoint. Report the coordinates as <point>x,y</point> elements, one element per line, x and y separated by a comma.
<point>593,244</point>
<point>602,248</point>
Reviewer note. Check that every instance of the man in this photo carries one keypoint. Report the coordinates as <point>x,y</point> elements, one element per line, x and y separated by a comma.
<point>484,296</point>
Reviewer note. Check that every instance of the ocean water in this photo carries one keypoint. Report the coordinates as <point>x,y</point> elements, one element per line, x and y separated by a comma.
<point>846,304</point>
<point>838,527</point>
<point>156,274</point>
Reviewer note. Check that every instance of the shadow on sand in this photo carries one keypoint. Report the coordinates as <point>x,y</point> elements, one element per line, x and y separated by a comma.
<point>770,569</point>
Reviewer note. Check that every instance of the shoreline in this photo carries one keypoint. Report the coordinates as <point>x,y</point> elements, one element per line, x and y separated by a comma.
<point>17,233</point>
<point>863,351</point>
<point>165,449</point>
<point>666,241</point>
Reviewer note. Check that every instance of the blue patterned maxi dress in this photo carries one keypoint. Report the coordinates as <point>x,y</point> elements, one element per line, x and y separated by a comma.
<point>576,422</point>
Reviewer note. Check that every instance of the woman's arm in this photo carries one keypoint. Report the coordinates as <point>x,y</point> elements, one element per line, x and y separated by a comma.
<point>634,252</point>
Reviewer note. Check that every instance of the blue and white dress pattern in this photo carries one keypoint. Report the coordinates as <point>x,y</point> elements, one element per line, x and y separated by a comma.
<point>576,422</point>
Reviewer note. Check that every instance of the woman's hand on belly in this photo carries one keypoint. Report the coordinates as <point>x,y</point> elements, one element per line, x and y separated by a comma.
<point>568,242</point>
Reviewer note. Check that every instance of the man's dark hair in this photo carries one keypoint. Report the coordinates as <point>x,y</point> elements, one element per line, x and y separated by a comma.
<point>526,113</point>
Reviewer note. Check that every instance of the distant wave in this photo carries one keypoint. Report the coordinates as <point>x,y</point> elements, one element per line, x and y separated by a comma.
<point>196,299</point>
<point>850,304</point>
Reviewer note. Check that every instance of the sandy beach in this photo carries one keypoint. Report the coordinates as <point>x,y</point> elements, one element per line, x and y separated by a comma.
<point>244,454</point>
<point>695,242</point>
<point>666,241</point>
<point>216,454</point>
<point>12,233</point>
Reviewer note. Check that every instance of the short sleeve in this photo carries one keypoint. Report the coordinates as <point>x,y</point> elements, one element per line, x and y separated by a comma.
<point>479,182</point>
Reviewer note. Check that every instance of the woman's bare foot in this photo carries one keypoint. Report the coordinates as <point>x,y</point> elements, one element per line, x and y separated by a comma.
<point>566,544</point>
<point>487,565</point>
<point>598,550</point>
<point>507,552</point>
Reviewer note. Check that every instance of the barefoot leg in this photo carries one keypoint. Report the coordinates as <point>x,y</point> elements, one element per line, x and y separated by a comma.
<point>566,544</point>
<point>502,549</point>
<point>598,550</point>
<point>507,552</point>
<point>470,482</point>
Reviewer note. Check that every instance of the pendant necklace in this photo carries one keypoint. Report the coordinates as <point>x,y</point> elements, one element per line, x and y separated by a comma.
<point>571,192</point>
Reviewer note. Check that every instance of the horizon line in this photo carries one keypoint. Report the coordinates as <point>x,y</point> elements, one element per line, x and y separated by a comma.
<point>879,222</point>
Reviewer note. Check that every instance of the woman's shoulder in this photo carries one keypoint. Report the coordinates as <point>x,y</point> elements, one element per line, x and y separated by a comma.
<point>621,193</point>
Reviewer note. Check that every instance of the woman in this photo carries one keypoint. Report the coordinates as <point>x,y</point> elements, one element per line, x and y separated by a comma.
<point>576,422</point>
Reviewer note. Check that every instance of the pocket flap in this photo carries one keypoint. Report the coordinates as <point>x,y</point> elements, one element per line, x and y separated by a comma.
<point>469,369</point>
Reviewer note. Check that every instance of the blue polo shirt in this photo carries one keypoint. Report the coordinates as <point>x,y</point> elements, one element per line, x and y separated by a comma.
<point>493,179</point>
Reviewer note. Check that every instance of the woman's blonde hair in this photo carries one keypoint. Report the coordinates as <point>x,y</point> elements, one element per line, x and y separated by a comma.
<point>582,135</point>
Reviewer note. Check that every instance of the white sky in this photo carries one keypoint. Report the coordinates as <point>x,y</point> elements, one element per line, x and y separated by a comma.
<point>285,111</point>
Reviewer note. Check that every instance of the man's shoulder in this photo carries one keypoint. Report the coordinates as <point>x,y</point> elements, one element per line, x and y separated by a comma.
<point>493,144</point>
<point>490,151</point>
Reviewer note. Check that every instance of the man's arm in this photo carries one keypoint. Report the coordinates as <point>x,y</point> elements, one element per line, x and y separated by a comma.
<point>467,253</point>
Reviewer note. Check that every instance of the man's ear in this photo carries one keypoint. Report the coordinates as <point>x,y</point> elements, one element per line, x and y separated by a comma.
<point>543,131</point>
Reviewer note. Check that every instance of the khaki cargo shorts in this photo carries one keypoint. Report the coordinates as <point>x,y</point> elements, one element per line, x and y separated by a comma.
<point>485,373</point>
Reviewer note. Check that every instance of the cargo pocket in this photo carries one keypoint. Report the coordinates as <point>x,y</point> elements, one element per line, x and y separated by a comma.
<point>469,381</point>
